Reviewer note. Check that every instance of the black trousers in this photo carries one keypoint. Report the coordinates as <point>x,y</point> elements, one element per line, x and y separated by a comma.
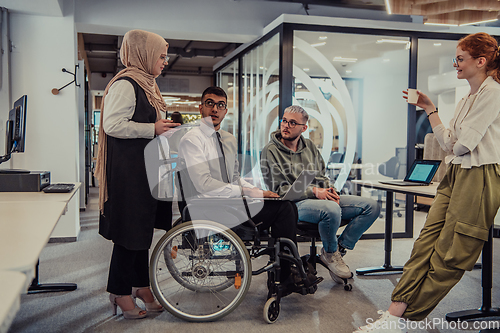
<point>281,217</point>
<point>128,268</point>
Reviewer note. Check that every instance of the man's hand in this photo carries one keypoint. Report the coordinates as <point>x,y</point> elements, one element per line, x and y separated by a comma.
<point>164,125</point>
<point>326,194</point>
<point>255,192</point>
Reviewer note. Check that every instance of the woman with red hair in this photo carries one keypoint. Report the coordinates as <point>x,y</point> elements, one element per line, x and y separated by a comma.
<point>467,198</point>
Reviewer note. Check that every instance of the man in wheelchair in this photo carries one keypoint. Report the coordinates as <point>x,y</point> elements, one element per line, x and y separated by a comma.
<point>211,172</point>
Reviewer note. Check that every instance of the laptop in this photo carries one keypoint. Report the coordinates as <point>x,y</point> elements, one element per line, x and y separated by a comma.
<point>420,174</point>
<point>298,187</point>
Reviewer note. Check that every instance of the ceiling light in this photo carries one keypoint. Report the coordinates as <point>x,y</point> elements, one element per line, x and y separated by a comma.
<point>318,44</point>
<point>170,99</point>
<point>442,24</point>
<point>437,44</point>
<point>306,69</point>
<point>393,41</point>
<point>341,59</point>
<point>230,84</point>
<point>388,7</point>
<point>322,37</point>
<point>472,23</point>
<point>348,71</point>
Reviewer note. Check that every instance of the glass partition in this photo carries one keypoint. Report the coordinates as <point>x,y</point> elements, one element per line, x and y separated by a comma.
<point>227,79</point>
<point>260,93</point>
<point>438,79</point>
<point>350,81</point>
<point>351,86</point>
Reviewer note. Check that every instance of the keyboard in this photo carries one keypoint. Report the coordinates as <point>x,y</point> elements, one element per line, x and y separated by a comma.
<point>59,188</point>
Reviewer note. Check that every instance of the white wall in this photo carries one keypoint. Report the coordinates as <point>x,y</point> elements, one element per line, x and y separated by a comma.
<point>42,47</point>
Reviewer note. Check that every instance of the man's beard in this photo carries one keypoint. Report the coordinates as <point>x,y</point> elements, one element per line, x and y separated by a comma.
<point>290,138</point>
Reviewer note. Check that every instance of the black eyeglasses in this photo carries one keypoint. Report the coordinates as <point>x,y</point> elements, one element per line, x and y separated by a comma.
<point>221,106</point>
<point>291,123</point>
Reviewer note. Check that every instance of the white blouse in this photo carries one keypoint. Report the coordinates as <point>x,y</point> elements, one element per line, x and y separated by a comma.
<point>118,112</point>
<point>473,137</point>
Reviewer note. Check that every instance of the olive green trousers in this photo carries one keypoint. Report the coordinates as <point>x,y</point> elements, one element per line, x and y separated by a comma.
<point>452,238</point>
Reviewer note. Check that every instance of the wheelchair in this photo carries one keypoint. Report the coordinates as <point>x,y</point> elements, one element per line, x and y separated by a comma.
<point>201,269</point>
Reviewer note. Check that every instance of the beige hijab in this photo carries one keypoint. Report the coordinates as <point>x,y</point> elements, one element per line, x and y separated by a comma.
<point>139,53</point>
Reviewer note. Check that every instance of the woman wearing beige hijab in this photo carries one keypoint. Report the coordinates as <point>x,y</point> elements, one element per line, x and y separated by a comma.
<point>132,114</point>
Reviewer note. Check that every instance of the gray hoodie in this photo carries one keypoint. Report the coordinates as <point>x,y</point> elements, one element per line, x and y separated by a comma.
<point>281,166</point>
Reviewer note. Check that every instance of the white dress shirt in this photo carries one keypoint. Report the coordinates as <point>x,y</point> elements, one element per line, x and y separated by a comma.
<point>199,149</point>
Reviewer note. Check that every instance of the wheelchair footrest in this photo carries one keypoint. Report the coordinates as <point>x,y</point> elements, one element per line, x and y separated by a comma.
<point>310,288</point>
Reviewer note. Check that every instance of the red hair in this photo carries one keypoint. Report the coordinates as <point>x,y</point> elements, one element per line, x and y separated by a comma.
<point>482,44</point>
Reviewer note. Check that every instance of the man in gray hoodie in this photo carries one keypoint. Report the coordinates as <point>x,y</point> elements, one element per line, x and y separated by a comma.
<point>283,159</point>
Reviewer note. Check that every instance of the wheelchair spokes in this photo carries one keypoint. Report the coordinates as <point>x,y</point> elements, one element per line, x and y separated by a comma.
<point>201,271</point>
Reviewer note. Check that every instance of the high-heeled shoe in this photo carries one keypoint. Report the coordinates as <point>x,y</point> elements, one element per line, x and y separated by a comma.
<point>154,306</point>
<point>135,313</point>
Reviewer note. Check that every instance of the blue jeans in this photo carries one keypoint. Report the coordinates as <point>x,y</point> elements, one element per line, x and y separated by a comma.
<point>359,211</point>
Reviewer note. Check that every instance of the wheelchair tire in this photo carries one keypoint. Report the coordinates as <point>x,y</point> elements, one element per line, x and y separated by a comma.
<point>271,310</point>
<point>200,271</point>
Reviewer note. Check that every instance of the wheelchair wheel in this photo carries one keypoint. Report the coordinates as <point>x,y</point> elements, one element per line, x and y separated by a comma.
<point>200,271</point>
<point>271,310</point>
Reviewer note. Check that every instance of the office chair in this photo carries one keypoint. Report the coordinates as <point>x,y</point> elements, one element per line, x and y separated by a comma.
<point>309,231</point>
<point>390,169</point>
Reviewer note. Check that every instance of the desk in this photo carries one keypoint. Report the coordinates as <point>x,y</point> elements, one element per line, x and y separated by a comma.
<point>38,196</point>
<point>28,219</point>
<point>12,286</point>
<point>26,228</point>
<point>338,166</point>
<point>425,191</point>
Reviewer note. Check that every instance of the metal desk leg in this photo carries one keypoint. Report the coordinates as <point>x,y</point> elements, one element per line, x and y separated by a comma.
<point>387,267</point>
<point>36,287</point>
<point>486,281</point>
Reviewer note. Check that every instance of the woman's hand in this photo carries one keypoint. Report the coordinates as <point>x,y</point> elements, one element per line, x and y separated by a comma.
<point>163,125</point>
<point>423,101</point>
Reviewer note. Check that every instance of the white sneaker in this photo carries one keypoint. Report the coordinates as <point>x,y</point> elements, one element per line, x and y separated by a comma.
<point>387,323</point>
<point>335,264</point>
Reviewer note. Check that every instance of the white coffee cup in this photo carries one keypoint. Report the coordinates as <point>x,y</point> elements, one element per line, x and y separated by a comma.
<point>412,96</point>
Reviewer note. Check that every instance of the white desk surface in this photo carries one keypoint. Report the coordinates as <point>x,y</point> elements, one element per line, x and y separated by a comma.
<point>26,229</point>
<point>426,191</point>
<point>12,284</point>
<point>338,166</point>
<point>38,196</point>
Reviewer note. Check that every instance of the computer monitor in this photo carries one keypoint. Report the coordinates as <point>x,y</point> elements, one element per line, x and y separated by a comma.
<point>18,116</point>
<point>15,129</point>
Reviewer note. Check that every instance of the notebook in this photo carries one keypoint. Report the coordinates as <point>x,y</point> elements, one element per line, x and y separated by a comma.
<point>420,174</point>
<point>298,187</point>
